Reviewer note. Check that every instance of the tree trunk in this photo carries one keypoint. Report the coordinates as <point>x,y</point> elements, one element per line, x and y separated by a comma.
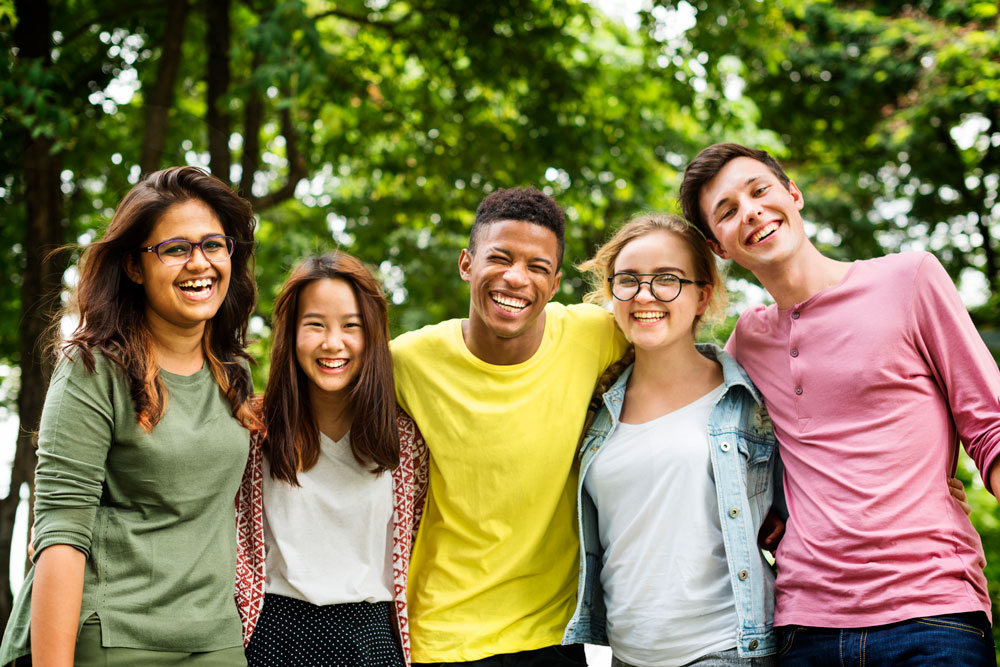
<point>41,284</point>
<point>217,37</point>
<point>159,102</point>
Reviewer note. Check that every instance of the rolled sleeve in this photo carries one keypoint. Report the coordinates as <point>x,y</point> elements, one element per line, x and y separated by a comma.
<point>75,434</point>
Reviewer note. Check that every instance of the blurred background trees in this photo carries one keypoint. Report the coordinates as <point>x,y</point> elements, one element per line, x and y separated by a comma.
<point>378,125</point>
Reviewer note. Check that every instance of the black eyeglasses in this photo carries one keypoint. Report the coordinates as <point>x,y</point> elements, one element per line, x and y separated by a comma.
<point>663,286</point>
<point>216,248</point>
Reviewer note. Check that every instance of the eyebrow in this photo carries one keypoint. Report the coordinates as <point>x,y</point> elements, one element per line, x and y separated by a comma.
<point>658,270</point>
<point>321,316</point>
<point>510,254</point>
<point>725,200</point>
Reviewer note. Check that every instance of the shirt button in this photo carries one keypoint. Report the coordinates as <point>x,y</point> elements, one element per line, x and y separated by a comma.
<point>734,512</point>
<point>798,391</point>
<point>754,644</point>
<point>725,447</point>
<point>743,575</point>
<point>795,352</point>
<point>795,315</point>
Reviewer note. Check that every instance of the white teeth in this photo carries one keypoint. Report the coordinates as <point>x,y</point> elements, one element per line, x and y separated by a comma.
<point>196,284</point>
<point>649,316</point>
<point>764,232</point>
<point>510,304</point>
<point>332,363</point>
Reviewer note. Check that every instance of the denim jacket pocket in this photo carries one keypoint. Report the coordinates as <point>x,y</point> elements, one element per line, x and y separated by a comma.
<point>760,454</point>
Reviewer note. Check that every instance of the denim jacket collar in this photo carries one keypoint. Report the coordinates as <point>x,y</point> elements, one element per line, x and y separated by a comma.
<point>733,375</point>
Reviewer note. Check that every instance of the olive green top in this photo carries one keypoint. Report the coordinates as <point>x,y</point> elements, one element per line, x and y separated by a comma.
<point>153,512</point>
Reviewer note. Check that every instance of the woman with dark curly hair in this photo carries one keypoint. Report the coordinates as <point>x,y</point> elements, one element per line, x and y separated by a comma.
<point>144,439</point>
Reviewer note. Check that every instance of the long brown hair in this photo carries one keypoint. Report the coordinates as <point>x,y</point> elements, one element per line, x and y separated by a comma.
<point>292,442</point>
<point>112,308</point>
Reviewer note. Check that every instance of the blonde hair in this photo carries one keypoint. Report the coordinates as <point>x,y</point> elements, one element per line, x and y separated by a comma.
<point>601,266</point>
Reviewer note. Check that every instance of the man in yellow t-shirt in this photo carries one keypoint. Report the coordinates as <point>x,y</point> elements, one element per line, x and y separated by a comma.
<point>501,398</point>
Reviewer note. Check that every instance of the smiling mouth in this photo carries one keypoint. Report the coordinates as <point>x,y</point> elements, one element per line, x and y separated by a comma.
<point>649,316</point>
<point>332,364</point>
<point>197,290</point>
<point>509,304</point>
<point>762,233</point>
<point>196,285</point>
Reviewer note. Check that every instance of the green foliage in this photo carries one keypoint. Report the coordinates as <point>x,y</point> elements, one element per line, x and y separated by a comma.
<point>890,115</point>
<point>406,115</point>
<point>986,520</point>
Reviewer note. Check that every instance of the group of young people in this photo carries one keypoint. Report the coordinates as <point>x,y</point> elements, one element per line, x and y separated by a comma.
<point>500,489</point>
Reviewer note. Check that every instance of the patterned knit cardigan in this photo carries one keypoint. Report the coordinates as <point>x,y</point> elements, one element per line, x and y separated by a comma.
<point>409,488</point>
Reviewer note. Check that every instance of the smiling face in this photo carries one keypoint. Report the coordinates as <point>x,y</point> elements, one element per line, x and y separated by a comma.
<point>650,323</point>
<point>329,337</point>
<point>181,297</point>
<point>756,220</point>
<point>512,275</point>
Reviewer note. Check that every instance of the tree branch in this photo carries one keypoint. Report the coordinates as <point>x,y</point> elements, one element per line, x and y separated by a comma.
<point>217,117</point>
<point>159,103</point>
<point>297,169</point>
<point>390,26</point>
<point>253,112</point>
<point>100,19</point>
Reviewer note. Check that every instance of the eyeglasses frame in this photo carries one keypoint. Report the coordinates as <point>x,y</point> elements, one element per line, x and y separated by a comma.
<point>652,276</point>
<point>194,244</point>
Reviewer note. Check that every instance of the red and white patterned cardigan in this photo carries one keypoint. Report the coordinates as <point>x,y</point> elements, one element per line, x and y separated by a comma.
<point>409,488</point>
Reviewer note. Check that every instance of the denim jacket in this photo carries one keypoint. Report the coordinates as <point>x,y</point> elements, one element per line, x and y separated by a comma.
<point>744,454</point>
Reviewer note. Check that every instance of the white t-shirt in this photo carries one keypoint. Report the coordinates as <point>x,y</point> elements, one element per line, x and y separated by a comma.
<point>329,541</point>
<point>665,575</point>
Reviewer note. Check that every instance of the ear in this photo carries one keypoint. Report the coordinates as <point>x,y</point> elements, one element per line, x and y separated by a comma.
<point>555,285</point>
<point>796,194</point>
<point>704,296</point>
<point>718,249</point>
<point>465,264</point>
<point>132,268</point>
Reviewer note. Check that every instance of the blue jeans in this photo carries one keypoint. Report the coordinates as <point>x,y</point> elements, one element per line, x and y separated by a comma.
<point>950,639</point>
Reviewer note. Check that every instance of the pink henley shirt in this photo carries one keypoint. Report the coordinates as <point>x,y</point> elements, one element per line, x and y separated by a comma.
<point>871,385</point>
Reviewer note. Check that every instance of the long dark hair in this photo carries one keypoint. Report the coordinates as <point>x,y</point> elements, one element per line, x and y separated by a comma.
<point>111,307</point>
<point>292,442</point>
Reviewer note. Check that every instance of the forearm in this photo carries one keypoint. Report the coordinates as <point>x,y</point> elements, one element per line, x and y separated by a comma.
<point>56,596</point>
<point>994,478</point>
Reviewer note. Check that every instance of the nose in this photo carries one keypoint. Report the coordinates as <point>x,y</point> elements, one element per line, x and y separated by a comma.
<point>516,275</point>
<point>334,338</point>
<point>198,258</point>
<point>751,213</point>
<point>645,293</point>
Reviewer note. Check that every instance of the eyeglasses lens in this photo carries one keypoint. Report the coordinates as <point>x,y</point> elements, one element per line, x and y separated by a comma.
<point>216,249</point>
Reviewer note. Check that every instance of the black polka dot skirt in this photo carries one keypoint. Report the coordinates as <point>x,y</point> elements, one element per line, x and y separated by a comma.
<point>294,632</point>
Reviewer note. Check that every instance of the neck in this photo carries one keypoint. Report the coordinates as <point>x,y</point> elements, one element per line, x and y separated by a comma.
<point>676,366</point>
<point>332,413</point>
<point>177,350</point>
<point>664,380</point>
<point>801,277</point>
<point>493,349</point>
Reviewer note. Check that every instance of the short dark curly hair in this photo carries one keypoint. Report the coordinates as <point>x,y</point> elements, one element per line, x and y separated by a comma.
<point>520,205</point>
<point>705,166</point>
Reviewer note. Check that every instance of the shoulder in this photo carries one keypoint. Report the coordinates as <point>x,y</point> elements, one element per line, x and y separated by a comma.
<point>907,273</point>
<point>754,319</point>
<point>431,335</point>
<point>900,265</point>
<point>91,366</point>
<point>581,315</point>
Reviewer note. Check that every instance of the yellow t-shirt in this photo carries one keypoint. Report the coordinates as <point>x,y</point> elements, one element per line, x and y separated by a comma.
<point>495,565</point>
